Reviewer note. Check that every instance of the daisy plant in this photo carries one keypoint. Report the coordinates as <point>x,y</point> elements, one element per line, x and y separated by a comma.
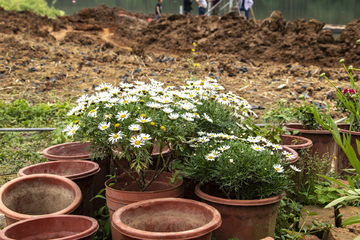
<point>243,168</point>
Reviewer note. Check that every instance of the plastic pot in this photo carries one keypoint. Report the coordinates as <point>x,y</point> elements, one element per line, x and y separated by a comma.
<point>323,141</point>
<point>295,142</point>
<point>125,191</point>
<point>63,227</point>
<point>78,151</point>
<point>38,194</point>
<point>80,171</point>
<point>166,218</point>
<point>242,219</point>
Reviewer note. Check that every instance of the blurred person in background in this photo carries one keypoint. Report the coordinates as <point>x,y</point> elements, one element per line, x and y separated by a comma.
<point>245,5</point>
<point>187,6</point>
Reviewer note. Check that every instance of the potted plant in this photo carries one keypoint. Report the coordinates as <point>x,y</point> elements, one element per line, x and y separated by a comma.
<point>275,130</point>
<point>244,179</point>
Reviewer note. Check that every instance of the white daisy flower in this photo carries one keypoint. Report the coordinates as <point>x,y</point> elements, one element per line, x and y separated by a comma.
<point>104,125</point>
<point>114,137</point>
<point>231,160</point>
<point>212,135</point>
<point>168,110</point>
<point>145,136</point>
<point>187,117</point>
<point>203,139</point>
<point>103,86</point>
<point>207,118</point>
<point>137,141</point>
<point>288,155</point>
<point>134,127</point>
<point>173,116</point>
<point>210,157</point>
<point>153,105</point>
<point>215,153</point>
<point>224,101</point>
<point>121,116</point>
<point>107,116</point>
<point>143,120</point>
<point>201,133</point>
<point>276,146</point>
<point>109,105</point>
<point>253,139</point>
<point>224,148</point>
<point>93,112</point>
<point>257,148</point>
<point>295,168</point>
<point>278,168</point>
<point>71,129</point>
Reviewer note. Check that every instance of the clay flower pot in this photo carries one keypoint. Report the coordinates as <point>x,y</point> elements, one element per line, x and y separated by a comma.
<point>242,219</point>
<point>293,152</point>
<point>295,142</point>
<point>80,171</point>
<point>38,194</point>
<point>77,151</point>
<point>322,140</point>
<point>342,161</point>
<point>63,227</point>
<point>166,218</point>
<point>125,191</point>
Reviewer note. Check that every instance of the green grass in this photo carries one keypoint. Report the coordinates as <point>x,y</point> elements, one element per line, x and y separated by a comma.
<point>20,149</point>
<point>37,6</point>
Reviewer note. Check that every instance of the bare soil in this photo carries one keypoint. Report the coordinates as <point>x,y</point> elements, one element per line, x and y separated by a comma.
<point>45,60</point>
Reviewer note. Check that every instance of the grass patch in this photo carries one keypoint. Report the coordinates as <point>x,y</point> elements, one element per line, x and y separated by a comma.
<point>37,6</point>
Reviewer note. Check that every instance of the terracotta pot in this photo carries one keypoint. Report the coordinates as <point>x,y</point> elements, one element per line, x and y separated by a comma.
<point>295,142</point>
<point>116,197</point>
<point>63,227</point>
<point>242,219</point>
<point>38,194</point>
<point>80,171</point>
<point>166,218</point>
<point>292,151</point>
<point>342,161</point>
<point>77,151</point>
<point>322,140</point>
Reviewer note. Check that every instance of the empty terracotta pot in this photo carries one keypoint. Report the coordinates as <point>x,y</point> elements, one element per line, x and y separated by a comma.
<point>242,219</point>
<point>38,194</point>
<point>80,171</point>
<point>124,191</point>
<point>63,227</point>
<point>295,142</point>
<point>166,218</point>
<point>77,151</point>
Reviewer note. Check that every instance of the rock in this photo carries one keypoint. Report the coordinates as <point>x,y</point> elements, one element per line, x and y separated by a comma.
<point>339,234</point>
<point>243,60</point>
<point>319,105</point>
<point>153,74</point>
<point>347,212</point>
<point>94,86</point>
<point>306,96</point>
<point>304,86</point>
<point>320,88</point>
<point>329,96</point>
<point>288,65</point>
<point>2,220</point>
<point>32,69</point>
<point>323,215</point>
<point>87,62</point>
<point>137,71</point>
<point>168,70</point>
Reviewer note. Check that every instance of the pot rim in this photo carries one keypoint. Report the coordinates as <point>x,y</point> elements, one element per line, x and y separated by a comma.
<point>95,169</point>
<point>178,185</point>
<point>19,216</point>
<point>236,202</point>
<point>50,156</point>
<point>308,143</point>
<point>292,127</point>
<point>347,131</point>
<point>296,155</point>
<point>140,234</point>
<point>88,232</point>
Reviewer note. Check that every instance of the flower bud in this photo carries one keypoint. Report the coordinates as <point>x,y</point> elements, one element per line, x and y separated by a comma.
<point>351,68</point>
<point>358,42</point>
<point>342,60</point>
<point>322,75</point>
<point>301,97</point>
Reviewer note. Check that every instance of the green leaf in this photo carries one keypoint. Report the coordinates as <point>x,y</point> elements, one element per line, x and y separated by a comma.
<point>339,200</point>
<point>357,238</point>
<point>99,196</point>
<point>351,220</point>
<point>333,180</point>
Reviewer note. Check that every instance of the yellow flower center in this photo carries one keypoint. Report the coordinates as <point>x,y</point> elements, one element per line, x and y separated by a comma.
<point>126,101</point>
<point>92,111</point>
<point>143,121</point>
<point>203,140</point>
<point>123,116</point>
<point>145,138</point>
<point>104,127</point>
<point>277,169</point>
<point>134,128</point>
<point>257,148</point>
<point>137,143</point>
<point>152,124</point>
<point>166,101</point>
<point>73,131</point>
<point>224,99</point>
<point>210,157</point>
<point>162,128</point>
<point>115,136</point>
<point>117,125</point>
<point>142,115</point>
<point>216,86</point>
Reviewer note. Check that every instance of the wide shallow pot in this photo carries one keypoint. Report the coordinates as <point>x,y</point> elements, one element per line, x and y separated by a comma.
<point>323,141</point>
<point>63,227</point>
<point>166,218</point>
<point>38,194</point>
<point>124,191</point>
<point>242,219</point>
<point>80,171</point>
<point>295,142</point>
<point>78,151</point>
<point>342,161</point>
<point>295,157</point>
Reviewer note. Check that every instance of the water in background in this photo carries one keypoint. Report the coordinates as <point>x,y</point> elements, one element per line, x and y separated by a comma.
<point>328,11</point>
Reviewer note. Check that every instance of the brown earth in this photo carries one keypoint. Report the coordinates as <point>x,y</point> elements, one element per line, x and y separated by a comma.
<point>54,59</point>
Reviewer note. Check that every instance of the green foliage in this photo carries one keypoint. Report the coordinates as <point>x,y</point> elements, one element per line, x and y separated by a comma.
<point>325,193</point>
<point>288,215</point>
<point>305,116</point>
<point>37,6</point>
<point>277,119</point>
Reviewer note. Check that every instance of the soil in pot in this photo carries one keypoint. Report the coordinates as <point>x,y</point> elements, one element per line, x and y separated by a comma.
<point>242,219</point>
<point>78,151</point>
<point>295,142</point>
<point>38,194</point>
<point>125,191</point>
<point>166,218</point>
<point>80,171</point>
<point>63,227</point>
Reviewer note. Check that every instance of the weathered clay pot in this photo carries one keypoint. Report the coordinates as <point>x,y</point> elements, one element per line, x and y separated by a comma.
<point>292,151</point>
<point>242,219</point>
<point>166,218</point>
<point>295,142</point>
<point>342,161</point>
<point>80,171</point>
<point>38,194</point>
<point>322,140</point>
<point>125,191</point>
<point>77,151</point>
<point>63,227</point>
